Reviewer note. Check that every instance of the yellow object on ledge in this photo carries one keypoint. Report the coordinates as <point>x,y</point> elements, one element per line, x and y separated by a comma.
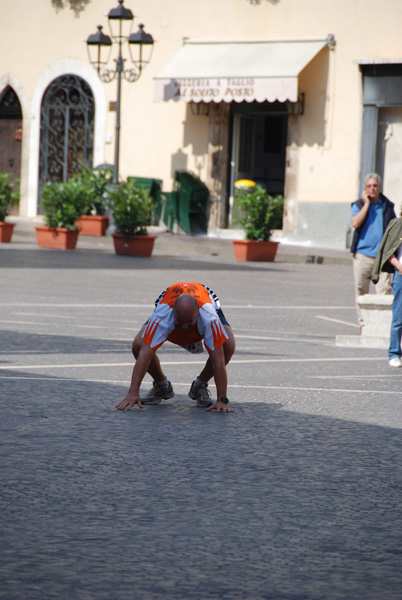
<point>245,183</point>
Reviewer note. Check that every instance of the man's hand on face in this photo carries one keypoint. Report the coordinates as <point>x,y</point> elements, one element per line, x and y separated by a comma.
<point>129,401</point>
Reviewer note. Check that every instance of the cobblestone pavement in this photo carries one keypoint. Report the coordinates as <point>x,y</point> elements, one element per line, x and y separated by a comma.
<point>294,496</point>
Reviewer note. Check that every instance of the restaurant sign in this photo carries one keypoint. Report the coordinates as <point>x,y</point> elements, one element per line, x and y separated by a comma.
<point>229,89</point>
<point>196,90</point>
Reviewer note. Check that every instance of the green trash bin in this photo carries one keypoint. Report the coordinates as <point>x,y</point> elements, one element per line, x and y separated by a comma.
<point>192,203</point>
<point>168,209</point>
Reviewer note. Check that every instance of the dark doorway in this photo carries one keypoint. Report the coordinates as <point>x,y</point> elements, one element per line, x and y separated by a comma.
<point>10,135</point>
<point>259,137</point>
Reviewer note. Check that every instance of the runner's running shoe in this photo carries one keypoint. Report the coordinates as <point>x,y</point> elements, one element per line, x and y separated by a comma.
<point>158,393</point>
<point>200,393</point>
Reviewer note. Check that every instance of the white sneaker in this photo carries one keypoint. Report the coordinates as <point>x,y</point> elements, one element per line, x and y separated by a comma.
<point>395,362</point>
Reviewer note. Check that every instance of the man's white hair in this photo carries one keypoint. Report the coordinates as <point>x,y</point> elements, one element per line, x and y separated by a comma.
<point>373,176</point>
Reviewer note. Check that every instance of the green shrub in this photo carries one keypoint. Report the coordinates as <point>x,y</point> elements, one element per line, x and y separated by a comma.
<point>261,213</point>
<point>131,208</point>
<point>9,194</point>
<point>96,183</point>
<point>63,203</point>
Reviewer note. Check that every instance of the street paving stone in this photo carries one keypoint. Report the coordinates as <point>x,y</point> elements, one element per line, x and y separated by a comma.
<point>294,496</point>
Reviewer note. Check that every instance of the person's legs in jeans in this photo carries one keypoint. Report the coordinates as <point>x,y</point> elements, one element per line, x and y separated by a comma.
<point>394,350</point>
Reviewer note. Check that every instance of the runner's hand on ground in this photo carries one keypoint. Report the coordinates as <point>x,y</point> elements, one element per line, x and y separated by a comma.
<point>220,407</point>
<point>129,401</point>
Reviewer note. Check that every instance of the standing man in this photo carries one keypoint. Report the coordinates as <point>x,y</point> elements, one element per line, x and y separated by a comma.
<point>370,217</point>
<point>185,314</point>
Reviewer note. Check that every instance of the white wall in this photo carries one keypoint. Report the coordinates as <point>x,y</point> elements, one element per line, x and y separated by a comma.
<point>35,40</point>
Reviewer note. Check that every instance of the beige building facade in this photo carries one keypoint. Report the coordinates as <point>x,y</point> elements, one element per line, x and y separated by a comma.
<point>303,97</point>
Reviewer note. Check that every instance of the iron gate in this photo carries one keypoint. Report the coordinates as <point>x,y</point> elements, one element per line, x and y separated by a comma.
<point>67,129</point>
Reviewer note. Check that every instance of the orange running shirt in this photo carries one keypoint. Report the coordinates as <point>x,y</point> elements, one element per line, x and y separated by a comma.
<point>161,325</point>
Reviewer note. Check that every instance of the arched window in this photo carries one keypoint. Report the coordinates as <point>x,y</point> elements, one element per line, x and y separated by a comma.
<point>10,107</point>
<point>66,129</point>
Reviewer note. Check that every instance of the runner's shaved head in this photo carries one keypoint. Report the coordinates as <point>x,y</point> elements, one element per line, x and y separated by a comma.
<point>186,307</point>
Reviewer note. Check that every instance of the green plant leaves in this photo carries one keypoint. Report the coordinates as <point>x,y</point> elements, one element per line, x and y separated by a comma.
<point>63,203</point>
<point>9,194</point>
<point>131,207</point>
<point>262,213</point>
<point>96,183</point>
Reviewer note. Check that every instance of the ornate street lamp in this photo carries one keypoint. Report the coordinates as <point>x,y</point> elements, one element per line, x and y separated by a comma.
<point>100,48</point>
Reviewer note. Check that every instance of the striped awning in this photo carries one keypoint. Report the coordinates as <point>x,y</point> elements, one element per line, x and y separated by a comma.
<point>246,70</point>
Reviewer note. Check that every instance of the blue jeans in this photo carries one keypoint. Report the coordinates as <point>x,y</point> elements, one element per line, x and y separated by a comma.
<point>396,325</point>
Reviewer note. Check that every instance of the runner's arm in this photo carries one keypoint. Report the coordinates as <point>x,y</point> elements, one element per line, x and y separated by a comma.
<point>217,357</point>
<point>139,371</point>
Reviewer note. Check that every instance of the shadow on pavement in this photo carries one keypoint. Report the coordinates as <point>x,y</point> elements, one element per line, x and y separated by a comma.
<point>173,502</point>
<point>43,343</point>
<point>97,259</point>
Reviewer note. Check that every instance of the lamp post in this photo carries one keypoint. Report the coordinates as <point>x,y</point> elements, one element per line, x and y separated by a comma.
<point>100,44</point>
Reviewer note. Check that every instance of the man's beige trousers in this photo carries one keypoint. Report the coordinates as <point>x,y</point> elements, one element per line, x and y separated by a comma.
<point>362,267</point>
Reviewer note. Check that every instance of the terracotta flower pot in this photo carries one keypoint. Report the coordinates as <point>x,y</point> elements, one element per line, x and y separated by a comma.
<point>138,245</point>
<point>6,231</point>
<point>94,225</point>
<point>251,250</point>
<point>60,238</point>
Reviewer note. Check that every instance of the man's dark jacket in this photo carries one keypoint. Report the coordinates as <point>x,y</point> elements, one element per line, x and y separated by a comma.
<point>388,214</point>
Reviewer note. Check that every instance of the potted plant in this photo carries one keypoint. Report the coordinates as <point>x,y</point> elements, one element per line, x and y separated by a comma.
<point>131,207</point>
<point>62,205</point>
<point>9,197</point>
<point>94,221</point>
<point>260,214</point>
